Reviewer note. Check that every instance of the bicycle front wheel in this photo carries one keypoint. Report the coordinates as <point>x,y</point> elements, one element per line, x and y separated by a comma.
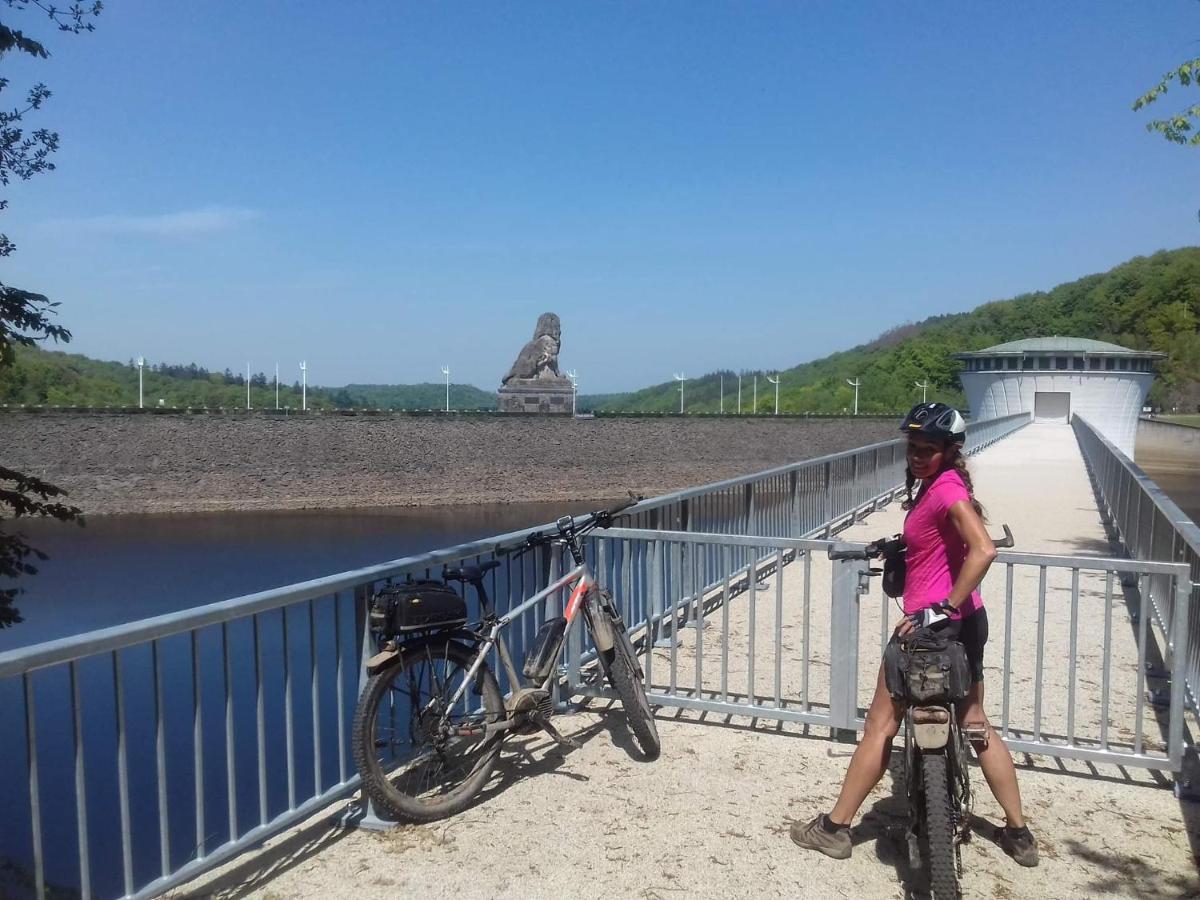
<point>625,675</point>
<point>939,828</point>
<point>421,759</point>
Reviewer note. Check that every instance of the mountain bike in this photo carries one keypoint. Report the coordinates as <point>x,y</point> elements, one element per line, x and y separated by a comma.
<point>431,719</point>
<point>930,676</point>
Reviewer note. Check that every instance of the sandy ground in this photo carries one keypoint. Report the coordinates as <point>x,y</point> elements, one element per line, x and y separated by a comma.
<point>710,817</point>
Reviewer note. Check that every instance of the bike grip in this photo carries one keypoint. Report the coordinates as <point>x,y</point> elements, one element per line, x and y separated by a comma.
<point>846,554</point>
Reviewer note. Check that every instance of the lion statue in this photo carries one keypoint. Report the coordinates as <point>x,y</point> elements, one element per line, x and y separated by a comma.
<point>539,358</point>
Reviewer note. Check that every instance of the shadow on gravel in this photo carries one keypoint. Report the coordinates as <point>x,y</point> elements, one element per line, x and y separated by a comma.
<point>1129,875</point>
<point>265,866</point>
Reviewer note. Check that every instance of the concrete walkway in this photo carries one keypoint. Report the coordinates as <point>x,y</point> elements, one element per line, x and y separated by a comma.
<point>710,817</point>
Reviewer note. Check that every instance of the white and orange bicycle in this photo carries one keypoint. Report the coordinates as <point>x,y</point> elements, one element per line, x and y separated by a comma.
<point>431,719</point>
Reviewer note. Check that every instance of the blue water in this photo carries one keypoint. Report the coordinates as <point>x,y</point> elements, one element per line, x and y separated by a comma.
<point>120,569</point>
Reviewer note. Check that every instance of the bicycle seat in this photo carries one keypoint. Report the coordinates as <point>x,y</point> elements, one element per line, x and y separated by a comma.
<point>469,573</point>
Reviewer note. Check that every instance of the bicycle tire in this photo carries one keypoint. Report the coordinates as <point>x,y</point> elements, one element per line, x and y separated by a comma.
<point>625,676</point>
<point>938,833</point>
<point>390,787</point>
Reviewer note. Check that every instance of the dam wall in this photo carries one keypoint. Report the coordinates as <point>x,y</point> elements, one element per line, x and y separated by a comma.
<point>115,463</point>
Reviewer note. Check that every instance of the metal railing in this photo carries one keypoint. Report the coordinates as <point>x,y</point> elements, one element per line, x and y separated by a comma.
<point>786,643</point>
<point>192,736</point>
<point>1151,527</point>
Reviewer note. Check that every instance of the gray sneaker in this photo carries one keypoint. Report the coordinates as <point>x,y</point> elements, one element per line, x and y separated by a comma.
<point>1021,846</point>
<point>813,836</point>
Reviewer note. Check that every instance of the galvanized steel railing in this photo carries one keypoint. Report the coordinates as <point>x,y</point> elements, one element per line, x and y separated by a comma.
<point>1151,527</point>
<point>193,735</point>
<point>785,643</point>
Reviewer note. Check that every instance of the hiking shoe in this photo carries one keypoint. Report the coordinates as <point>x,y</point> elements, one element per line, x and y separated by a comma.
<point>815,836</point>
<point>1019,843</point>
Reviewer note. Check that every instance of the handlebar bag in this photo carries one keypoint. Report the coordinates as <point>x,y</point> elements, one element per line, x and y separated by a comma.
<point>926,670</point>
<point>895,570</point>
<point>417,605</point>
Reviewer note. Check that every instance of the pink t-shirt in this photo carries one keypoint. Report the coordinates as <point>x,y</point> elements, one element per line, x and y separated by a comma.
<point>936,550</point>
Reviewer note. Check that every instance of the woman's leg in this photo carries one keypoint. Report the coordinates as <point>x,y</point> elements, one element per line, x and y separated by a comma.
<point>870,759</point>
<point>994,759</point>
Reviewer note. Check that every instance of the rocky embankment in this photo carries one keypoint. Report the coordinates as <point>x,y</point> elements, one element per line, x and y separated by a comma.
<point>191,463</point>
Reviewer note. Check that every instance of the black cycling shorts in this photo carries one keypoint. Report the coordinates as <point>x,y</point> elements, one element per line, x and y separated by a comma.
<point>973,635</point>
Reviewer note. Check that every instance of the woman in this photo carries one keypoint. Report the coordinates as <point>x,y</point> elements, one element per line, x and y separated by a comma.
<point>949,552</point>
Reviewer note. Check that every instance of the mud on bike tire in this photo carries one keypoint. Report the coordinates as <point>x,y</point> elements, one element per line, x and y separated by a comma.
<point>389,797</point>
<point>625,676</point>
<point>938,833</point>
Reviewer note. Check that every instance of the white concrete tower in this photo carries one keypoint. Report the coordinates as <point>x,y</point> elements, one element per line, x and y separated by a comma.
<point>1055,377</point>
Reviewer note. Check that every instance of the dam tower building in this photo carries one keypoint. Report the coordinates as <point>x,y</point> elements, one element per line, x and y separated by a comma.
<point>1056,377</point>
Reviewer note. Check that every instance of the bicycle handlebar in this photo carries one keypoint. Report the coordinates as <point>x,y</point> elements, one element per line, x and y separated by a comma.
<point>888,546</point>
<point>601,518</point>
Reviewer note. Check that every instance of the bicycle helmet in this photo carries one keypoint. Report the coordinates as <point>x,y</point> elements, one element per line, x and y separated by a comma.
<point>937,421</point>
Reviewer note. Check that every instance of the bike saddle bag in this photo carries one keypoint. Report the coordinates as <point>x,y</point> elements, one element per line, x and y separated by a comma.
<point>543,652</point>
<point>931,672</point>
<point>417,605</point>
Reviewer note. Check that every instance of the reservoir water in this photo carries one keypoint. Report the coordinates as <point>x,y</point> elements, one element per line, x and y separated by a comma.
<point>120,569</point>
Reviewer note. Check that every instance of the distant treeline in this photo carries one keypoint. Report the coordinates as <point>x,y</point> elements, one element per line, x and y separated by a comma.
<point>1148,303</point>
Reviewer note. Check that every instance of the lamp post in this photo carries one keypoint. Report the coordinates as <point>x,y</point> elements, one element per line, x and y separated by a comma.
<point>446,373</point>
<point>277,385</point>
<point>247,385</point>
<point>722,408</point>
<point>754,408</point>
<point>739,393</point>
<point>775,381</point>
<point>922,385</point>
<point>856,383</point>
<point>574,389</point>
<point>141,365</point>
<point>303,387</point>
<point>679,377</point>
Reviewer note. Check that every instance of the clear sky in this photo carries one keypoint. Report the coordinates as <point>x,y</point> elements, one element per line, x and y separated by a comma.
<point>383,188</point>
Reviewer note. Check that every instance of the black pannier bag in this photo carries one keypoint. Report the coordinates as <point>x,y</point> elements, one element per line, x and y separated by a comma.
<point>417,605</point>
<point>926,671</point>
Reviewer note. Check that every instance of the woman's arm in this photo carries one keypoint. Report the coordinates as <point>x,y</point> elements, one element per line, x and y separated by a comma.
<point>980,551</point>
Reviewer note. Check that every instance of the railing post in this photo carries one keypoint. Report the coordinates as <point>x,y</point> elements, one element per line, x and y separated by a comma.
<point>794,504</point>
<point>828,498</point>
<point>843,648</point>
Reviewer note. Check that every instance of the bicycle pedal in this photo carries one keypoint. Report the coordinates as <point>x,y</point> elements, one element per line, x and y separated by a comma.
<point>554,733</point>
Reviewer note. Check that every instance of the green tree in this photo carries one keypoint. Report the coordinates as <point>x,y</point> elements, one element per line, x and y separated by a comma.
<point>1178,127</point>
<point>25,315</point>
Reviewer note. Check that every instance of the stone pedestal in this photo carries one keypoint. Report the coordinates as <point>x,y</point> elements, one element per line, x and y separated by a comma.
<point>535,395</point>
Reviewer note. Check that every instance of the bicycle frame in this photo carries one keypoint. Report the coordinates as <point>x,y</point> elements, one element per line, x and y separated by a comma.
<point>583,582</point>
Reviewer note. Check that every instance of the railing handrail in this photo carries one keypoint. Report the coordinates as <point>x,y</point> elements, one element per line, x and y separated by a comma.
<point>1188,530</point>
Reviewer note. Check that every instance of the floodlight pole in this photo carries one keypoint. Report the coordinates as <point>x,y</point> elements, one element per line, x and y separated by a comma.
<point>856,383</point>
<point>141,365</point>
<point>574,390</point>
<point>775,381</point>
<point>446,373</point>
<point>303,387</point>
<point>247,385</point>
<point>922,385</point>
<point>680,378</point>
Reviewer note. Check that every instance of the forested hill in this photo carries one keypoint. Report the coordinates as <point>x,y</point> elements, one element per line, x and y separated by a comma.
<point>1148,303</point>
<point>47,377</point>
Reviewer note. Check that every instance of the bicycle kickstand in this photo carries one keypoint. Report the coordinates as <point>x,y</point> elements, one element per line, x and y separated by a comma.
<point>554,733</point>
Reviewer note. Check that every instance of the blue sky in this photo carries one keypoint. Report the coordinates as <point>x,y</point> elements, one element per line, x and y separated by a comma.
<point>383,188</point>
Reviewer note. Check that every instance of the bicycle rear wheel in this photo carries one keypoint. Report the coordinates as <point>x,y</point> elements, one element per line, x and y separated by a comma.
<point>625,675</point>
<point>939,828</point>
<point>419,759</point>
